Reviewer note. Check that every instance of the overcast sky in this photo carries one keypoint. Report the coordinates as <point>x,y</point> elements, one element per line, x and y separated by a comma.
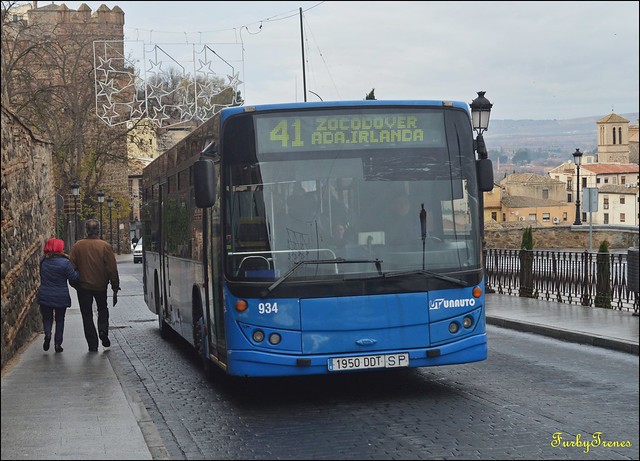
<point>535,60</point>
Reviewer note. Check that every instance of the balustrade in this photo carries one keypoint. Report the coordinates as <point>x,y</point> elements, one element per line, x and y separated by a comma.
<point>563,276</point>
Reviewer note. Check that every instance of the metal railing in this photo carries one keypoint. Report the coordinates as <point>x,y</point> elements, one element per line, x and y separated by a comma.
<point>562,276</point>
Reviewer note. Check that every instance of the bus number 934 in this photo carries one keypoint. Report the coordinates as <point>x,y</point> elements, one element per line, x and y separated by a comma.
<point>267,308</point>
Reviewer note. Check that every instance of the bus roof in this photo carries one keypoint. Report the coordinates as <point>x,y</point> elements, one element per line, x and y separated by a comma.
<point>229,111</point>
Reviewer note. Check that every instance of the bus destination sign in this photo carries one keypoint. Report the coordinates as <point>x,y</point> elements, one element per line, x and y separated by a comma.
<point>287,133</point>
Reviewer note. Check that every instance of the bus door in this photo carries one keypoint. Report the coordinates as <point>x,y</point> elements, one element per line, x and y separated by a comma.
<point>207,174</point>
<point>215,307</point>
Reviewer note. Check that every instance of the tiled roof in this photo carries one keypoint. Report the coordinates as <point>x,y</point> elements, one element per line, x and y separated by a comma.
<point>568,167</point>
<point>519,201</point>
<point>617,189</point>
<point>529,178</point>
<point>613,118</point>
<point>611,168</point>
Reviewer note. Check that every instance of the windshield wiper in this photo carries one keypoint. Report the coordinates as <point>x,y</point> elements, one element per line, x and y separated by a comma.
<point>446,278</point>
<point>274,285</point>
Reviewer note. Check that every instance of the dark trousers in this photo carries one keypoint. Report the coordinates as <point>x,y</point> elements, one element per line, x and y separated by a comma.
<point>48,318</point>
<point>85,299</point>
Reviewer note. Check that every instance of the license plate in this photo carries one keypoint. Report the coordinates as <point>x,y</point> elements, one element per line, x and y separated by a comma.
<point>364,362</point>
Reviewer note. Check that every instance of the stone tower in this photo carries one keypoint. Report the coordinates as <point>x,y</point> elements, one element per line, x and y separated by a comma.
<point>613,139</point>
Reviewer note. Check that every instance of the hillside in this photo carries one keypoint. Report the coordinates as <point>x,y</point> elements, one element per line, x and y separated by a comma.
<point>552,135</point>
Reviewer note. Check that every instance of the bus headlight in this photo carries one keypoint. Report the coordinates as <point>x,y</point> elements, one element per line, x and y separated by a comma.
<point>274,338</point>
<point>258,336</point>
<point>453,327</point>
<point>467,322</point>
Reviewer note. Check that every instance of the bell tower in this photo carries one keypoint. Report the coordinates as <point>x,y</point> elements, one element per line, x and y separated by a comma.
<point>613,139</point>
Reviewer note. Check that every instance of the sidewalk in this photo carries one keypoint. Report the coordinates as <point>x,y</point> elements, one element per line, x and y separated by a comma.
<point>68,405</point>
<point>611,329</point>
<point>72,406</point>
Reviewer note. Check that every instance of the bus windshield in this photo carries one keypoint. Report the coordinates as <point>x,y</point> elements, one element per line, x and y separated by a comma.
<point>352,194</point>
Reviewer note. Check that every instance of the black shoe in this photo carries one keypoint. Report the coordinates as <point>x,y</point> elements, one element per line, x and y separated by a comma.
<point>93,349</point>
<point>105,339</point>
<point>58,348</point>
<point>47,343</point>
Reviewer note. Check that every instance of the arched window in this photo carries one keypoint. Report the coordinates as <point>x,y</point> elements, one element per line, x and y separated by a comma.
<point>614,134</point>
<point>619,135</point>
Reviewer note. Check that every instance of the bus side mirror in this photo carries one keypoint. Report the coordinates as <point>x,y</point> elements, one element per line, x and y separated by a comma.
<point>484,167</point>
<point>204,179</point>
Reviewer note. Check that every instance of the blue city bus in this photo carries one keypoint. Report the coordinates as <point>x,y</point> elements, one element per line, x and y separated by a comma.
<point>320,238</point>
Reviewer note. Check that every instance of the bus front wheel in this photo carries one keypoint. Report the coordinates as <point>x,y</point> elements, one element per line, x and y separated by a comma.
<point>199,336</point>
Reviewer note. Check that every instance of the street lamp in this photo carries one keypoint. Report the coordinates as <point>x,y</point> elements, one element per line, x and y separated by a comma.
<point>118,224</point>
<point>480,112</point>
<point>110,204</point>
<point>577,159</point>
<point>75,190</point>
<point>101,201</point>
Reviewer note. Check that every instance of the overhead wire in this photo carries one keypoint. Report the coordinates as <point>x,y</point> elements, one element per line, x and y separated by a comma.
<point>261,22</point>
<point>321,56</point>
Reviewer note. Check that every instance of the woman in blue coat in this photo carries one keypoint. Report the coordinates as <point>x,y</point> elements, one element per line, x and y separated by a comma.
<point>53,295</point>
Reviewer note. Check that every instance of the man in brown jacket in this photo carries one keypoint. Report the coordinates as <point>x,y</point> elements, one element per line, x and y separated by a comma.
<point>96,262</point>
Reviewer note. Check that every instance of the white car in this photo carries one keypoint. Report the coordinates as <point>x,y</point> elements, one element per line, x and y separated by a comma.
<point>137,252</point>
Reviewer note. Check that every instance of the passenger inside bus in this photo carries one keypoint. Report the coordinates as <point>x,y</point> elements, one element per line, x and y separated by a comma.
<point>403,223</point>
<point>340,239</point>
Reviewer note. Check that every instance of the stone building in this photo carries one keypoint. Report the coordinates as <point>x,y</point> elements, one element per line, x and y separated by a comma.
<point>533,210</point>
<point>533,185</point>
<point>613,140</point>
<point>527,198</point>
<point>76,32</point>
<point>619,181</point>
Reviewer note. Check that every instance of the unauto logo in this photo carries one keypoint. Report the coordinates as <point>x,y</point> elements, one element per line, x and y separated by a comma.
<point>449,303</point>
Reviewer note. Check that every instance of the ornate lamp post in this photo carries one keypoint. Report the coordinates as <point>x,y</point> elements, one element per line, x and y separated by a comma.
<point>110,204</point>
<point>577,159</point>
<point>118,224</point>
<point>101,201</point>
<point>75,190</point>
<point>480,113</point>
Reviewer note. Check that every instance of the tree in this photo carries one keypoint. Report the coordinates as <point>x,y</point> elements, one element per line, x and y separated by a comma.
<point>371,95</point>
<point>48,81</point>
<point>499,156</point>
<point>527,239</point>
<point>181,97</point>
<point>17,47</point>
<point>521,157</point>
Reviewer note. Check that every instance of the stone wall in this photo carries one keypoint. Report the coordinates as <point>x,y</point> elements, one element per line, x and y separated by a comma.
<point>565,237</point>
<point>28,216</point>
